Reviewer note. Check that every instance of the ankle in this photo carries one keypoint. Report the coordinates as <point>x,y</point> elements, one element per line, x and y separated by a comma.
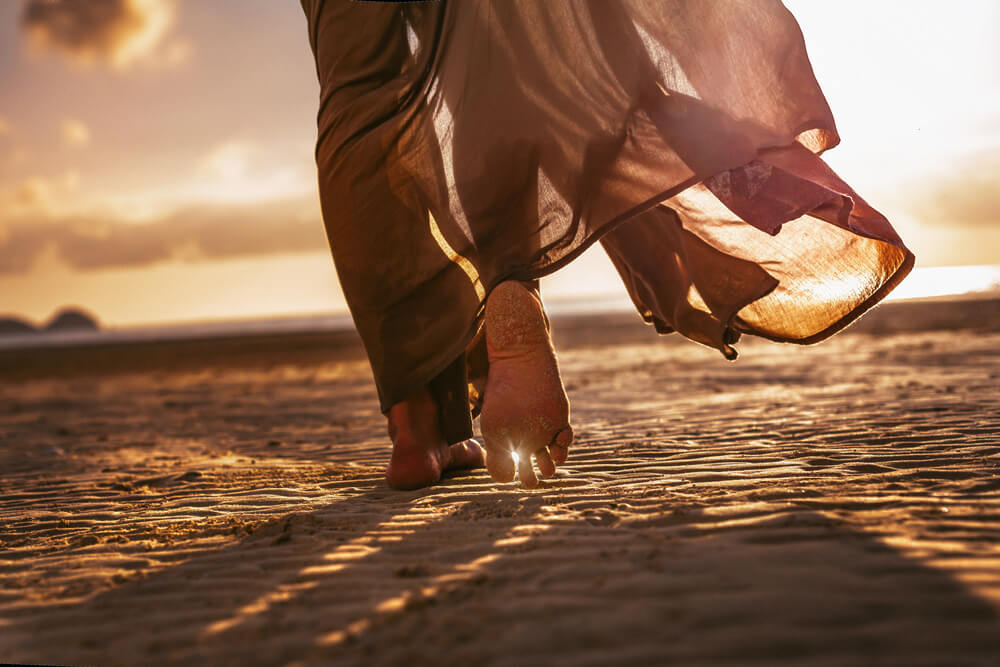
<point>515,320</point>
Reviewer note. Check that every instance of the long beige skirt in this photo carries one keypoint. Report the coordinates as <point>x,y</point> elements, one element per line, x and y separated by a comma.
<point>464,143</point>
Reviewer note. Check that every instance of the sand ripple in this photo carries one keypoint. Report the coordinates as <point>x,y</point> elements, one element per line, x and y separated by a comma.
<point>830,505</point>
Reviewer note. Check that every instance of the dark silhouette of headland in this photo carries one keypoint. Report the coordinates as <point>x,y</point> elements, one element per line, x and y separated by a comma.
<point>67,319</point>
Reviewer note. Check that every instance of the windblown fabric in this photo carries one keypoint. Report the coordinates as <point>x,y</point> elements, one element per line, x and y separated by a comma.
<point>464,143</point>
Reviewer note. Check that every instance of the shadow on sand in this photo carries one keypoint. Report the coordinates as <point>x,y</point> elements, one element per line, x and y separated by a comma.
<point>451,575</point>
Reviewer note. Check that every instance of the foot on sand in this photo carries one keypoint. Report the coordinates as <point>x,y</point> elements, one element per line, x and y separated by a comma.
<point>419,453</point>
<point>525,409</point>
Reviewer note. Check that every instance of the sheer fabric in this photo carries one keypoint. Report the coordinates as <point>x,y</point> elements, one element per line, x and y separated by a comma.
<point>466,143</point>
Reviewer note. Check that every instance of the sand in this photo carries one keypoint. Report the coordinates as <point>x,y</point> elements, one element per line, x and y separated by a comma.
<point>223,503</point>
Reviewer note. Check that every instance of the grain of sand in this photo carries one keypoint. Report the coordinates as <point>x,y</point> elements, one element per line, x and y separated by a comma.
<point>837,504</point>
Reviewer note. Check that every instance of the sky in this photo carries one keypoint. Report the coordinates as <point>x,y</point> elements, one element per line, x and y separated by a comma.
<point>156,156</point>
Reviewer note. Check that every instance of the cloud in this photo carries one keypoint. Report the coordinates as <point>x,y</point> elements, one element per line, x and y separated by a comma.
<point>227,162</point>
<point>116,32</point>
<point>20,250</point>
<point>29,194</point>
<point>74,132</point>
<point>206,232</point>
<point>968,194</point>
<point>37,198</point>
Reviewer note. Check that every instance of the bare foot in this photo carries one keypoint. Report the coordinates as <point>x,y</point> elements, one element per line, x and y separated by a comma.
<point>419,453</point>
<point>525,409</point>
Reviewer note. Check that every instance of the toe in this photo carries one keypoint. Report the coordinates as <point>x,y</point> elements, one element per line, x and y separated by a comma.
<point>545,464</point>
<point>560,448</point>
<point>499,464</point>
<point>526,471</point>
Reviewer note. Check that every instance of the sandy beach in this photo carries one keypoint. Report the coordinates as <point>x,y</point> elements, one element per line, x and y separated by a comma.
<point>221,501</point>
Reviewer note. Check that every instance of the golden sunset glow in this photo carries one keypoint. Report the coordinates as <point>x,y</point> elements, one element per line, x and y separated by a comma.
<point>156,155</point>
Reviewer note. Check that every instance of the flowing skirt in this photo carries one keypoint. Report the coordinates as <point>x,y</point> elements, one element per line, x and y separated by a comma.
<point>464,143</point>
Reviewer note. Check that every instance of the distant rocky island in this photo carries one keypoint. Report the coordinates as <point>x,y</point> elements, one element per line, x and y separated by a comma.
<point>67,319</point>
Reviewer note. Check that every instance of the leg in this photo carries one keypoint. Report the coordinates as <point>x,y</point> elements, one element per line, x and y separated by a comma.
<point>419,452</point>
<point>525,409</point>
